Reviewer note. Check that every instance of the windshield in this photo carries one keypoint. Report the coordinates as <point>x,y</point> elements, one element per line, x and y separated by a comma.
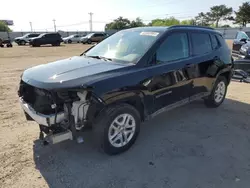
<point>42,34</point>
<point>26,35</point>
<point>125,46</point>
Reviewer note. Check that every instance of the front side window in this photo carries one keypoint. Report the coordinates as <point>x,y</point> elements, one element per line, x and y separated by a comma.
<point>201,43</point>
<point>175,47</point>
<point>125,46</point>
<point>33,35</point>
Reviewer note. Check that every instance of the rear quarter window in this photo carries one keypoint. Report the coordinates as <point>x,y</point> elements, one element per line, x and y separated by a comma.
<point>201,43</point>
<point>222,40</point>
<point>215,42</point>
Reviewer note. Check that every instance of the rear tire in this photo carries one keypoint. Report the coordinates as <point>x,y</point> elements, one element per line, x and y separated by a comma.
<point>56,44</point>
<point>116,129</point>
<point>218,93</point>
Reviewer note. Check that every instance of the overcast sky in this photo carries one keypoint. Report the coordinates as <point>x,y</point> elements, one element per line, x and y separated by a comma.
<point>73,15</point>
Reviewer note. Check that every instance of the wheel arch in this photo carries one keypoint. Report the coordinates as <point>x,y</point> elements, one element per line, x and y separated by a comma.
<point>227,73</point>
<point>135,100</point>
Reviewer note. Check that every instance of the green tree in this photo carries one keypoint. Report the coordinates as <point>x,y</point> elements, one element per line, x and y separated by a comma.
<point>243,14</point>
<point>137,23</point>
<point>218,13</point>
<point>187,22</point>
<point>4,27</point>
<point>172,21</point>
<point>118,24</point>
<point>225,26</point>
<point>202,19</point>
<point>165,22</point>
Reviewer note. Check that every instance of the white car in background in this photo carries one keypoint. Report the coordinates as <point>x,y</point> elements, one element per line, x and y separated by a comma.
<point>72,39</point>
<point>25,38</point>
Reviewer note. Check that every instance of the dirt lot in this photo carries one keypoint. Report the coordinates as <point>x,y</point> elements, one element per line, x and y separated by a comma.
<point>191,147</point>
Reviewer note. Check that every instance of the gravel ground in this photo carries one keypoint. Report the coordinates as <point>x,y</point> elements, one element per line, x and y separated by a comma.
<point>189,147</point>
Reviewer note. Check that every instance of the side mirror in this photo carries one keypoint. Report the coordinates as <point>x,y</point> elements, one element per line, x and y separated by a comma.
<point>243,40</point>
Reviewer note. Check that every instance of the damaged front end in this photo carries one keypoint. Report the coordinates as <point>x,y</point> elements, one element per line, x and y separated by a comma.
<point>60,114</point>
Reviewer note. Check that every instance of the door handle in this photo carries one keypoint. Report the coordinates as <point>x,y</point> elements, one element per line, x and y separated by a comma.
<point>189,65</point>
<point>216,58</point>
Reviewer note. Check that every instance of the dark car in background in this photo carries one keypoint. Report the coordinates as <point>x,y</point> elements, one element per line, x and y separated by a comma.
<point>241,51</point>
<point>54,39</point>
<point>128,78</point>
<point>93,37</point>
<point>241,44</point>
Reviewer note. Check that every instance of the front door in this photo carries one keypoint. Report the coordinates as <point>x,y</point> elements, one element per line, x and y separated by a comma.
<point>94,38</point>
<point>169,84</point>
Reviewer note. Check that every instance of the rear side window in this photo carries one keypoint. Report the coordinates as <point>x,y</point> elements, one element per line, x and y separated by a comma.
<point>173,48</point>
<point>201,43</point>
<point>222,41</point>
<point>98,35</point>
<point>215,42</point>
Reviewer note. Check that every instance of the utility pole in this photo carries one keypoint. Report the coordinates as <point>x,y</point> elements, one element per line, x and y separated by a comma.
<point>54,24</point>
<point>31,27</point>
<point>90,21</point>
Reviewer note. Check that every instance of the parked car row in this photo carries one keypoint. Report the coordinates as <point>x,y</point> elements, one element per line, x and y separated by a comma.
<point>241,54</point>
<point>55,39</point>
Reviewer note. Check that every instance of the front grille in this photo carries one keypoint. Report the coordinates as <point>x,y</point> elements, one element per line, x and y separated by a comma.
<point>40,99</point>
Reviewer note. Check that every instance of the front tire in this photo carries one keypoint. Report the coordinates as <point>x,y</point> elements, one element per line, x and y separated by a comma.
<point>218,93</point>
<point>9,45</point>
<point>89,41</point>
<point>22,42</point>
<point>69,41</point>
<point>117,128</point>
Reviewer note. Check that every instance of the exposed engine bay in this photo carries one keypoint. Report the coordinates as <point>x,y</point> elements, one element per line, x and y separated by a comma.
<point>56,112</point>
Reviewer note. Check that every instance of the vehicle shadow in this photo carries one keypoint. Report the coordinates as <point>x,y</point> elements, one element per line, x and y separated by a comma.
<point>47,46</point>
<point>191,146</point>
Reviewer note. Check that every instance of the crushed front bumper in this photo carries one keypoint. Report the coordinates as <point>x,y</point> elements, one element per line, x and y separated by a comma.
<point>41,119</point>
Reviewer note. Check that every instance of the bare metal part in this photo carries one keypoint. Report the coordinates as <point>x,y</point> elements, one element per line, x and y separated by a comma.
<point>79,110</point>
<point>59,137</point>
<point>41,119</point>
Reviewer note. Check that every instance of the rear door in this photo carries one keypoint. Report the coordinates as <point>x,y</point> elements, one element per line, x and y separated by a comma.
<point>94,37</point>
<point>169,84</point>
<point>205,62</point>
<point>76,38</point>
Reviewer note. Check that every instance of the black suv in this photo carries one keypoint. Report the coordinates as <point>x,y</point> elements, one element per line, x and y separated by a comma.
<point>54,39</point>
<point>128,78</point>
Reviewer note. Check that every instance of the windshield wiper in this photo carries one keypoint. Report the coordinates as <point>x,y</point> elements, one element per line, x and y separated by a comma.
<point>100,57</point>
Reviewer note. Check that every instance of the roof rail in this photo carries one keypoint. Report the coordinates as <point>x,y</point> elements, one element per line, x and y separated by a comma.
<point>191,26</point>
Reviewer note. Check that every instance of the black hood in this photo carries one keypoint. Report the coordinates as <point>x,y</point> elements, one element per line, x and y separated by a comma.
<point>71,72</point>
